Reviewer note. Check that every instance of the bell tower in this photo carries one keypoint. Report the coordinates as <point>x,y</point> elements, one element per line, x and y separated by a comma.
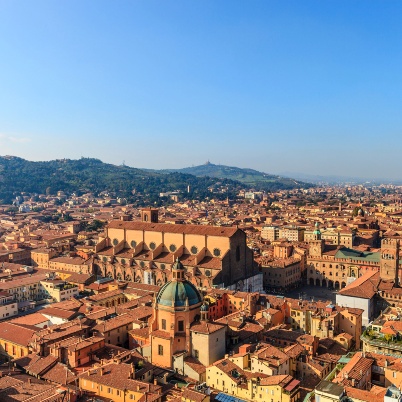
<point>149,215</point>
<point>389,263</point>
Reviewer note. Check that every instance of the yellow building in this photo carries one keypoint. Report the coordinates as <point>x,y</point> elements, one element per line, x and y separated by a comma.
<point>281,273</point>
<point>40,258</point>
<point>14,340</point>
<point>334,267</point>
<point>115,330</point>
<point>229,378</point>
<point>71,264</point>
<point>393,374</point>
<point>110,298</point>
<point>59,290</point>
<point>270,360</point>
<point>117,383</point>
<point>334,321</point>
<point>333,236</point>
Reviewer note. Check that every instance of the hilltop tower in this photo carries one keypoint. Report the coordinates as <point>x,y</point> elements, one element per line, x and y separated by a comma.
<point>389,263</point>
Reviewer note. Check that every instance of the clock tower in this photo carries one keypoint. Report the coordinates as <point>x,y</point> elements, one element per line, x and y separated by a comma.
<point>316,248</point>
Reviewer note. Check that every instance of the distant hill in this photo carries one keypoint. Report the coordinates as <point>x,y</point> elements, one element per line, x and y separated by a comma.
<point>18,176</point>
<point>250,177</point>
<point>334,179</point>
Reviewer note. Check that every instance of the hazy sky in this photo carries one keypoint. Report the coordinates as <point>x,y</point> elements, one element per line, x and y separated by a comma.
<point>309,86</point>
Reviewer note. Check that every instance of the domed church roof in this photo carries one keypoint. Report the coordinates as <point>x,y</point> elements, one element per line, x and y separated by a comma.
<point>178,294</point>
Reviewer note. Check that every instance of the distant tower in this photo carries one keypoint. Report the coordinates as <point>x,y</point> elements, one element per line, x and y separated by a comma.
<point>389,263</point>
<point>149,215</point>
<point>340,207</point>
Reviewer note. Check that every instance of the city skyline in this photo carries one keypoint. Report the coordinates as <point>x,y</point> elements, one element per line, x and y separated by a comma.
<point>306,87</point>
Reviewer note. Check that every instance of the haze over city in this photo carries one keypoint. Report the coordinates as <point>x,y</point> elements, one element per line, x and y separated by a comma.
<point>311,86</point>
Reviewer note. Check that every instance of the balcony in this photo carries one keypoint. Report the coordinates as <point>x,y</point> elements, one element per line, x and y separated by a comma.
<point>63,287</point>
<point>376,340</point>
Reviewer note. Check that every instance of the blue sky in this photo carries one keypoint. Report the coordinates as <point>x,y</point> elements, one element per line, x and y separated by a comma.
<point>309,86</point>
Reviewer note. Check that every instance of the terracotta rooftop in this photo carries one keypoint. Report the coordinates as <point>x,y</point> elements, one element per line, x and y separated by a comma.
<point>168,228</point>
<point>118,376</point>
<point>15,333</point>
<point>364,287</point>
<point>205,327</point>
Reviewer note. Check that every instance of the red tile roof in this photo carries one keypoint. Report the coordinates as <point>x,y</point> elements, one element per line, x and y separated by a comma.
<point>364,287</point>
<point>165,227</point>
<point>15,333</point>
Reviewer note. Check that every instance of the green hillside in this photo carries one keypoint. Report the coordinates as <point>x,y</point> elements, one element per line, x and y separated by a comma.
<point>250,177</point>
<point>18,176</point>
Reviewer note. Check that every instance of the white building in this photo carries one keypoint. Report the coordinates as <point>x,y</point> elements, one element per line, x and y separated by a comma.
<point>8,306</point>
<point>360,294</point>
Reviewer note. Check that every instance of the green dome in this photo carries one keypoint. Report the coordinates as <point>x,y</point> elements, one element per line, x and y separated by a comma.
<point>178,292</point>
<point>317,229</point>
